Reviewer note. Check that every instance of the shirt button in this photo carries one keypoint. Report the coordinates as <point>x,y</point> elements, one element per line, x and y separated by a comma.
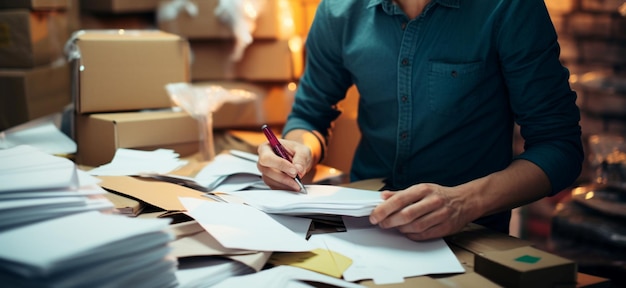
<point>404,99</point>
<point>403,26</point>
<point>405,61</point>
<point>454,74</point>
<point>404,135</point>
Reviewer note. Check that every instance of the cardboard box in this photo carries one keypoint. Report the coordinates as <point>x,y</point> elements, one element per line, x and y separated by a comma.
<point>32,93</point>
<point>35,4</point>
<point>277,19</point>
<point>119,6</point>
<point>94,21</point>
<point>309,8</point>
<point>526,267</point>
<point>99,135</point>
<point>272,105</point>
<point>127,71</point>
<point>31,38</point>
<point>263,60</point>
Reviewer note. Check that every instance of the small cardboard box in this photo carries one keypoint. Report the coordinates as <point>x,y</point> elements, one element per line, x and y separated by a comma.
<point>31,38</point>
<point>526,267</point>
<point>28,94</point>
<point>127,70</point>
<point>119,6</point>
<point>35,4</point>
<point>263,60</point>
<point>99,135</point>
<point>276,20</point>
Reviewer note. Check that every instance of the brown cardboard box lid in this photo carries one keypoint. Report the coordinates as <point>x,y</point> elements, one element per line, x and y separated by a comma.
<point>126,35</point>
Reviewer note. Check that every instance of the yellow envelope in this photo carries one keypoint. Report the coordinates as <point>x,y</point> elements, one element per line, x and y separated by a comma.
<point>318,260</point>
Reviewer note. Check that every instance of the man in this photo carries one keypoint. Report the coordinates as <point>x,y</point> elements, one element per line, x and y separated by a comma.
<point>441,85</point>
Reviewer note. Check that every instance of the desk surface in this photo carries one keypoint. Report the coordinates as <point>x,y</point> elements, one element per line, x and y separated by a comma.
<point>465,244</point>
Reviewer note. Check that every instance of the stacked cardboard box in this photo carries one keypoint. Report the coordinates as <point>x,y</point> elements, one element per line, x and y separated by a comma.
<point>117,76</point>
<point>34,76</point>
<point>275,43</point>
<point>117,14</point>
<point>277,46</point>
<point>270,66</point>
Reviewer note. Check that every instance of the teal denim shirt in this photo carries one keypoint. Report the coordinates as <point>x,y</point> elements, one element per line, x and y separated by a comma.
<point>439,94</point>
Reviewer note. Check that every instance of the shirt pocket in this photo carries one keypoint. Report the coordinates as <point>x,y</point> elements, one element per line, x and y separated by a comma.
<point>451,86</point>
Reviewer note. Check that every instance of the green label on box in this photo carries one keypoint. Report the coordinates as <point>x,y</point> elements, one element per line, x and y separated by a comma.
<point>528,259</point>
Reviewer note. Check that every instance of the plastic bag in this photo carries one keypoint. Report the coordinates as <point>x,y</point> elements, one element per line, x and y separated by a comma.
<point>200,102</point>
<point>240,16</point>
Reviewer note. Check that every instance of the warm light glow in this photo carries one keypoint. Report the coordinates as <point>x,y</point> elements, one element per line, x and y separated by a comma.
<point>295,44</point>
<point>81,68</point>
<point>332,170</point>
<point>589,195</point>
<point>578,190</point>
<point>292,86</point>
<point>250,10</point>
<point>121,32</point>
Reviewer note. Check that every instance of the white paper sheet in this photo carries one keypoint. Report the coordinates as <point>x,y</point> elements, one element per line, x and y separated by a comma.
<point>323,199</point>
<point>240,226</point>
<point>228,164</point>
<point>28,168</point>
<point>135,162</point>
<point>42,134</point>
<point>227,172</point>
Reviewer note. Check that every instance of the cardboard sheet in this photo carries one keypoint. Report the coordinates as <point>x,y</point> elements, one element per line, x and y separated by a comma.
<point>160,194</point>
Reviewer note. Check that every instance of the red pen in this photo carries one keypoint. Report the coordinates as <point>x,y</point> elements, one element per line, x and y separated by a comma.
<point>280,151</point>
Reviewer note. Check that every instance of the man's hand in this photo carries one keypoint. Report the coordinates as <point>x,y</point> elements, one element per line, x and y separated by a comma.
<point>279,173</point>
<point>423,211</point>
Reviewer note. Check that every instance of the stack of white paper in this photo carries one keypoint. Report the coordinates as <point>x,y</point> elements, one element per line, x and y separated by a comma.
<point>387,256</point>
<point>41,133</point>
<point>86,250</point>
<point>231,172</point>
<point>136,162</point>
<point>285,276</point>
<point>38,186</point>
<point>208,271</point>
<point>320,199</point>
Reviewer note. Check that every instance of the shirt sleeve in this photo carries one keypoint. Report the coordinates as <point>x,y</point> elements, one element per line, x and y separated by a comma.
<point>541,99</point>
<point>325,80</point>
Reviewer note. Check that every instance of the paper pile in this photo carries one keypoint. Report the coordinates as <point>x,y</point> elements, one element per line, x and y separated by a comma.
<point>136,162</point>
<point>231,171</point>
<point>86,250</point>
<point>320,199</point>
<point>38,186</point>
